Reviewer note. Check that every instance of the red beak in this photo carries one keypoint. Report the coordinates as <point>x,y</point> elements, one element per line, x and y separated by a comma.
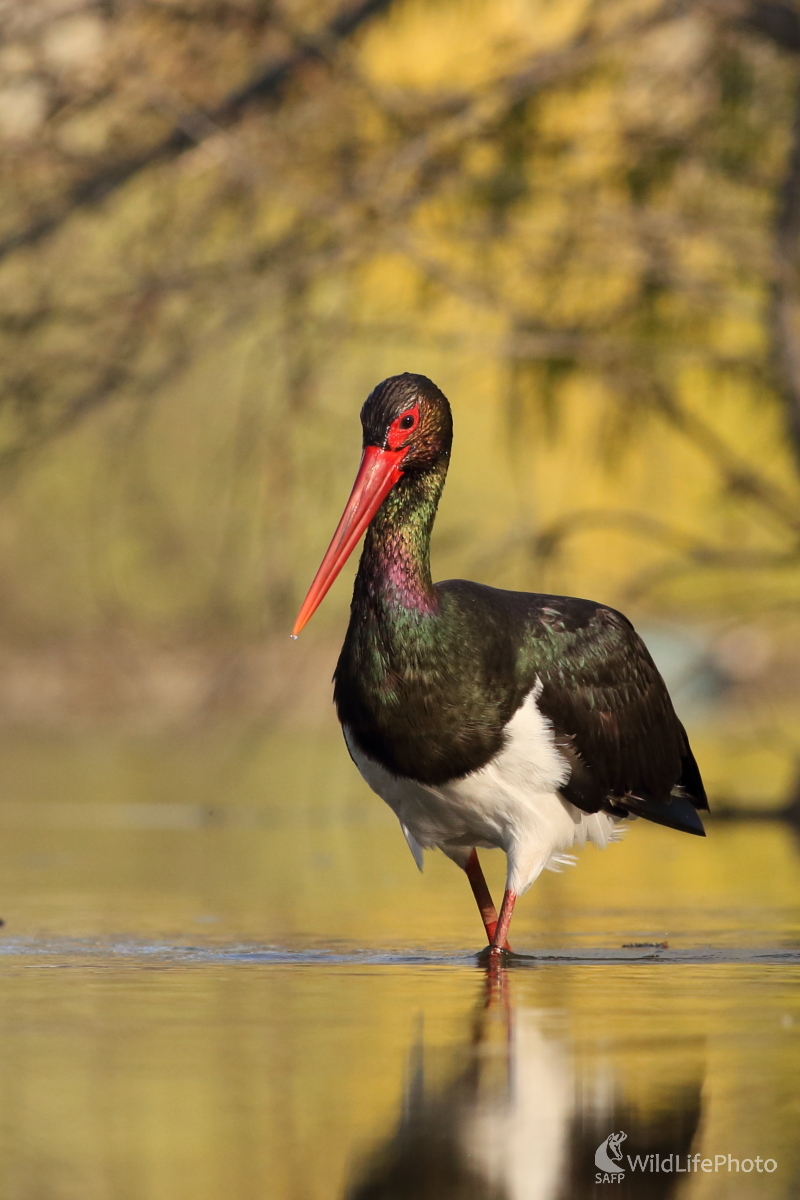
<point>377,475</point>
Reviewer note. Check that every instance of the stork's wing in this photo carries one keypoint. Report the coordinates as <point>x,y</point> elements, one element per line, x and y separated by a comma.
<point>613,715</point>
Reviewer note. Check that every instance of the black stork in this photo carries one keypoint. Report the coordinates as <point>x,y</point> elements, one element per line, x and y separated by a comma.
<point>483,717</point>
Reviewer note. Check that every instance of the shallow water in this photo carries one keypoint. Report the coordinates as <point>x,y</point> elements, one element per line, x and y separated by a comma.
<point>222,976</point>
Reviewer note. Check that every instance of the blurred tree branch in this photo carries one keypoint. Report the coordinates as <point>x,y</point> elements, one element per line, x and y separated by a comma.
<point>784,311</point>
<point>546,541</point>
<point>739,476</point>
<point>194,127</point>
<point>613,200</point>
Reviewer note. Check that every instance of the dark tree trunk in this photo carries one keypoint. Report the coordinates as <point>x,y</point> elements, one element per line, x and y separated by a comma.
<point>784,311</point>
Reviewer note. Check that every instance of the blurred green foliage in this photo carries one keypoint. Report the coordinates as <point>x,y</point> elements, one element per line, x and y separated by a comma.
<point>222,223</point>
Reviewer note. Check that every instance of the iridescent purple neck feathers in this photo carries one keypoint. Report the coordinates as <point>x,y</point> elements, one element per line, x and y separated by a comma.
<point>394,576</point>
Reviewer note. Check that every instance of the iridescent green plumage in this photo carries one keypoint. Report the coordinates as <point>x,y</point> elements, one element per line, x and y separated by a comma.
<point>430,675</point>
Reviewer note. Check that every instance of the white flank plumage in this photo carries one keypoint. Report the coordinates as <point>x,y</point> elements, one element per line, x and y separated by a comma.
<point>512,803</point>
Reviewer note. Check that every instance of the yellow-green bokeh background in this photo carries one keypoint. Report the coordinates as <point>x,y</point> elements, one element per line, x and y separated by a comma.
<point>218,961</point>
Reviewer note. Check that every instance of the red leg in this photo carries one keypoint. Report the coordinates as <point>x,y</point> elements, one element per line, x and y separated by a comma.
<point>499,941</point>
<point>480,891</point>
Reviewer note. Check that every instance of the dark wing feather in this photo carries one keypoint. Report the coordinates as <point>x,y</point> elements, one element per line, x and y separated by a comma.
<point>613,715</point>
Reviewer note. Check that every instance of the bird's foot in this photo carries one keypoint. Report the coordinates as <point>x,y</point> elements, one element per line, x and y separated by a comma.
<point>496,955</point>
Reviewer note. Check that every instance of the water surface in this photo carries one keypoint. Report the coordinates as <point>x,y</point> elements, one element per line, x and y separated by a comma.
<point>222,976</point>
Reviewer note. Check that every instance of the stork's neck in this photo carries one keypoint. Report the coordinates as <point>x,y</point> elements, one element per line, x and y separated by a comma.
<point>394,575</point>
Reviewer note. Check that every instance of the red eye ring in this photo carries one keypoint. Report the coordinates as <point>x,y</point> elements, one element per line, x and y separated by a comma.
<point>402,427</point>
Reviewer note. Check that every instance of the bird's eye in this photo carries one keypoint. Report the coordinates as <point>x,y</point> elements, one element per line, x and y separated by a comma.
<point>400,428</point>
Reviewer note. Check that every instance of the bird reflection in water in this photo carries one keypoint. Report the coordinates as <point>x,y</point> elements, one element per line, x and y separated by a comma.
<point>515,1120</point>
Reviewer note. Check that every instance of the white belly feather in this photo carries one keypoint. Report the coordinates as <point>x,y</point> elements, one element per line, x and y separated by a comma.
<point>513,803</point>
